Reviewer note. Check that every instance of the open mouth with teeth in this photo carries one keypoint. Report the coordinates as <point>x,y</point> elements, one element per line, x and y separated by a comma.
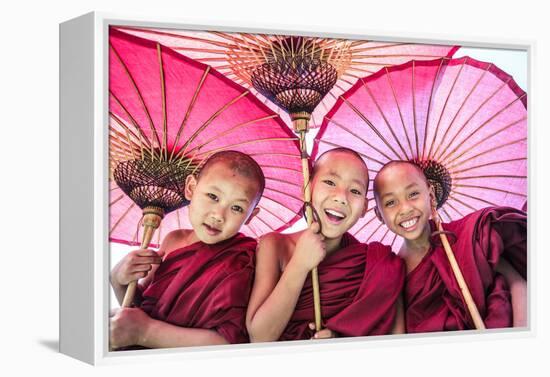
<point>334,216</point>
<point>409,224</point>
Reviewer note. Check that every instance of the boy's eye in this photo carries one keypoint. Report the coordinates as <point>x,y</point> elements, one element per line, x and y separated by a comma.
<point>212,196</point>
<point>414,194</point>
<point>356,192</point>
<point>329,182</point>
<point>389,203</point>
<point>237,209</point>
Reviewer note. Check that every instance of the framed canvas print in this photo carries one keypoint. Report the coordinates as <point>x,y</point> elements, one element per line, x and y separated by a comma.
<point>233,190</point>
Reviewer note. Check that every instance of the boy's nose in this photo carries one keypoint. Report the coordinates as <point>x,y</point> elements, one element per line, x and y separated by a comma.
<point>217,216</point>
<point>340,197</point>
<point>405,208</point>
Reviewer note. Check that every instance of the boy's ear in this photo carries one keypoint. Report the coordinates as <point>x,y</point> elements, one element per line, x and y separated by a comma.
<point>378,214</point>
<point>365,209</point>
<point>190,185</point>
<point>254,213</point>
<point>433,199</point>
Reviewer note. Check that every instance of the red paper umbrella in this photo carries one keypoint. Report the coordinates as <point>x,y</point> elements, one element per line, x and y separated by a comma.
<point>312,71</point>
<point>168,114</point>
<point>463,121</point>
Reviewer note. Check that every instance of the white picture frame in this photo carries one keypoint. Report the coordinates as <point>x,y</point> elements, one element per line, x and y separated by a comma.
<point>84,270</point>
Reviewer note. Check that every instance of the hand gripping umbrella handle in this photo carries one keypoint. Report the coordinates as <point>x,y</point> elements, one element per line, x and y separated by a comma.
<point>309,219</point>
<point>151,222</point>
<point>472,308</point>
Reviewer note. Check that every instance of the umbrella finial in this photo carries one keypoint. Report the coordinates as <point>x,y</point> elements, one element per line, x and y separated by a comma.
<point>300,120</point>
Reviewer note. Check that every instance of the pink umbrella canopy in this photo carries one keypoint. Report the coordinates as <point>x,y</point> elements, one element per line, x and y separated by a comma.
<point>168,114</point>
<point>462,120</point>
<point>322,68</point>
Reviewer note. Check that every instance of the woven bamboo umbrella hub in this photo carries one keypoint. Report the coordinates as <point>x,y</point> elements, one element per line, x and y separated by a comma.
<point>297,73</point>
<point>156,186</point>
<point>297,53</point>
<point>439,177</point>
<point>295,83</point>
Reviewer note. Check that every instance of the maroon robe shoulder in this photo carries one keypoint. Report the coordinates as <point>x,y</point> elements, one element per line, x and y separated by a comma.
<point>205,286</point>
<point>359,286</point>
<point>432,298</point>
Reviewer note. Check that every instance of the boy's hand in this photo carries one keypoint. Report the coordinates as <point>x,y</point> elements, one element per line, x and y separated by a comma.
<point>127,326</point>
<point>134,266</point>
<point>323,333</point>
<point>310,248</point>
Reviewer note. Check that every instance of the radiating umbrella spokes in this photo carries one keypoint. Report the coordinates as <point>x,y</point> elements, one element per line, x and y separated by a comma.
<point>309,62</point>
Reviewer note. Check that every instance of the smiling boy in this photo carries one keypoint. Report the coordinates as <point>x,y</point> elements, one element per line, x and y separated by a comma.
<point>490,248</point>
<point>359,284</point>
<point>199,293</point>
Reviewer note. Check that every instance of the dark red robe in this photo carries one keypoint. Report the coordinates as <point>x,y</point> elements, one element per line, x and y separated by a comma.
<point>359,286</point>
<point>432,298</point>
<point>205,286</point>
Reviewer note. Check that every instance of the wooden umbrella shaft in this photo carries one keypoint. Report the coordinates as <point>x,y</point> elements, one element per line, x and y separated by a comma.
<point>151,221</point>
<point>472,308</point>
<point>309,219</point>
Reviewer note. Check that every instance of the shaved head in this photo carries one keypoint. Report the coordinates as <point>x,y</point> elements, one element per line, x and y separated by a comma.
<point>396,164</point>
<point>326,155</point>
<point>239,163</point>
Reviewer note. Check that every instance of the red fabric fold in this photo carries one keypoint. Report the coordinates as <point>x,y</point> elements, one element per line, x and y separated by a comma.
<point>205,286</point>
<point>432,298</point>
<point>359,286</point>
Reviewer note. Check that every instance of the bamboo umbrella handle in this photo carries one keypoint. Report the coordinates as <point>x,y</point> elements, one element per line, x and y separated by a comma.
<point>472,308</point>
<point>151,222</point>
<point>309,219</point>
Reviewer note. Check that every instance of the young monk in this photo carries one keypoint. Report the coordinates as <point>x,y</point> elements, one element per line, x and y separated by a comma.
<point>490,248</point>
<point>199,293</point>
<point>359,284</point>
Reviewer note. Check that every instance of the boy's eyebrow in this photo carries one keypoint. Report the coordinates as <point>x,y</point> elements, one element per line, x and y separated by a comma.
<point>386,194</point>
<point>411,185</point>
<point>355,180</point>
<point>216,188</point>
<point>359,182</point>
<point>406,188</point>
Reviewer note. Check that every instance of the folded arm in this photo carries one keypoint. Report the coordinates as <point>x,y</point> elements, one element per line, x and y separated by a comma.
<point>132,326</point>
<point>165,335</point>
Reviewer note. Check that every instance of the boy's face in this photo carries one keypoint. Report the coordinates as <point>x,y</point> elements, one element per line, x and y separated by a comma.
<point>221,202</point>
<point>403,200</point>
<point>339,190</point>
